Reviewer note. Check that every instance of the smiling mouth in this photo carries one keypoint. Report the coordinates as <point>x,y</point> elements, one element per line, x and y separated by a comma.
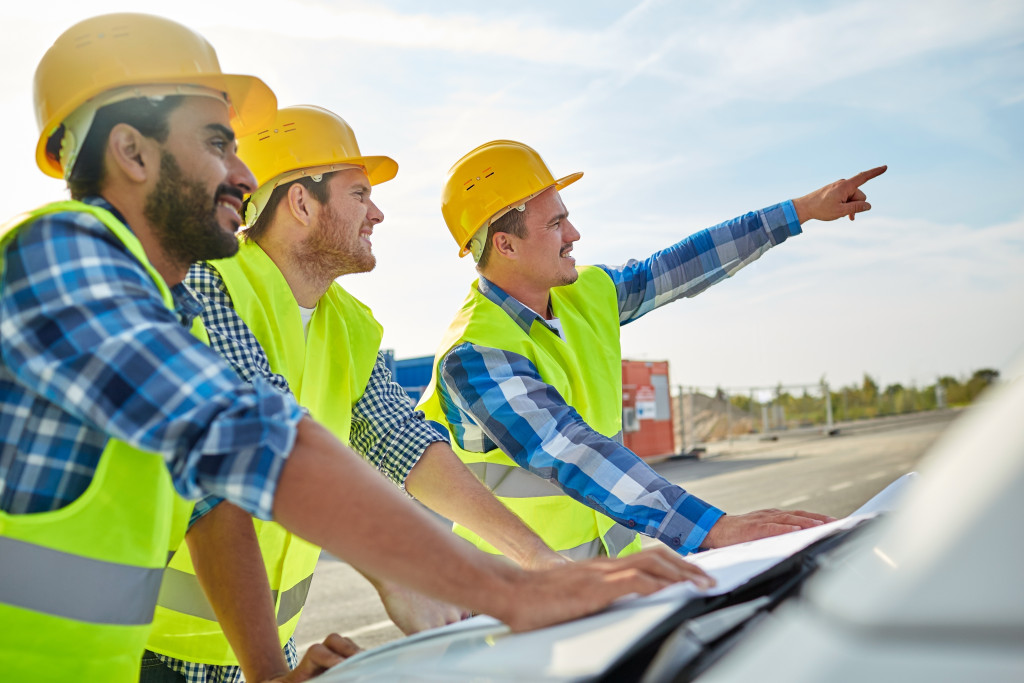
<point>229,198</point>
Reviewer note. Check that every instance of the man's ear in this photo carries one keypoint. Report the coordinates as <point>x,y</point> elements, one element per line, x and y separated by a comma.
<point>502,243</point>
<point>300,203</point>
<point>132,153</point>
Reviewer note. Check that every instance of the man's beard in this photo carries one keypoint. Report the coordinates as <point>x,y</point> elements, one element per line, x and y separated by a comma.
<point>184,217</point>
<point>329,252</point>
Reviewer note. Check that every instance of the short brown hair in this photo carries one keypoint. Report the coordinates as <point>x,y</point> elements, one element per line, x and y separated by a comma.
<point>513,223</point>
<point>146,115</point>
<point>319,191</point>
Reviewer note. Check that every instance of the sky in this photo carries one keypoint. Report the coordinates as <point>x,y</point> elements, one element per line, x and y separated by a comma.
<point>681,115</point>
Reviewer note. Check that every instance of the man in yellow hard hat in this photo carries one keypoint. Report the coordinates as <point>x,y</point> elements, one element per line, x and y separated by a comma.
<point>528,376</point>
<point>275,311</point>
<point>107,399</point>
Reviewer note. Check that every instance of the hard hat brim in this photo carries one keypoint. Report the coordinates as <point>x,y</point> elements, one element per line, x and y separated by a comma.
<point>253,107</point>
<point>560,184</point>
<point>378,169</point>
<point>568,180</point>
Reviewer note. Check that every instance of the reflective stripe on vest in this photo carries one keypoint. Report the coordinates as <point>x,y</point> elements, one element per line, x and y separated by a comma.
<point>327,370</point>
<point>181,592</point>
<point>586,369</point>
<point>50,581</point>
<point>78,584</point>
<point>612,543</point>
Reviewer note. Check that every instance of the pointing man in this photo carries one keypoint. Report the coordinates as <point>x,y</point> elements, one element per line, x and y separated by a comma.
<point>528,376</point>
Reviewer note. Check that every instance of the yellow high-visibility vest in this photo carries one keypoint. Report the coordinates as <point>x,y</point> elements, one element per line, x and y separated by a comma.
<point>586,370</point>
<point>327,370</point>
<point>78,585</point>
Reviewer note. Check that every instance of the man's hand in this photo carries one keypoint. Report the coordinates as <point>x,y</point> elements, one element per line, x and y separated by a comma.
<point>544,558</point>
<point>841,198</point>
<point>732,529</point>
<point>413,612</point>
<point>575,589</point>
<point>319,658</point>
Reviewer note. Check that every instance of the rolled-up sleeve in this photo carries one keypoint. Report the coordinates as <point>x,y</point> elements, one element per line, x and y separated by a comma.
<point>386,429</point>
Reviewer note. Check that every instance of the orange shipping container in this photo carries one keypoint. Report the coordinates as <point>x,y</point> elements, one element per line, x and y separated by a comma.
<point>647,409</point>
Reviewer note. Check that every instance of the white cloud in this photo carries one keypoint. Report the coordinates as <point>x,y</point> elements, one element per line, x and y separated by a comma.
<point>681,114</point>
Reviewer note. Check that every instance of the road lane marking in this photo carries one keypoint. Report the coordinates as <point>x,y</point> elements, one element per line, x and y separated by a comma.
<point>840,486</point>
<point>876,475</point>
<point>793,501</point>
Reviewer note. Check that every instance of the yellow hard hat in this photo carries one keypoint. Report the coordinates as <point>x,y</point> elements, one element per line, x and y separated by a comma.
<point>488,182</point>
<point>117,56</point>
<point>304,140</point>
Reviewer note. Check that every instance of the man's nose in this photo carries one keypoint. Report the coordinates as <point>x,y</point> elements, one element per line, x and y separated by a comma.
<point>572,234</point>
<point>374,215</point>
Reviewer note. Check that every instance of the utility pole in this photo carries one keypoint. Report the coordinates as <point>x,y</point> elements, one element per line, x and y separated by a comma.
<point>828,407</point>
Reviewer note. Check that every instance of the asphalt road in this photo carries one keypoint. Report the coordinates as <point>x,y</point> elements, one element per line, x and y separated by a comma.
<point>801,470</point>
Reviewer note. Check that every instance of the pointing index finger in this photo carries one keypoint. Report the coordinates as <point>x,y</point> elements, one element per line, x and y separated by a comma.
<point>865,176</point>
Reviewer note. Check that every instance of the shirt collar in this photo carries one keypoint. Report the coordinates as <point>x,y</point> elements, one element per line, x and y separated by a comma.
<point>523,315</point>
<point>187,304</point>
<point>100,202</point>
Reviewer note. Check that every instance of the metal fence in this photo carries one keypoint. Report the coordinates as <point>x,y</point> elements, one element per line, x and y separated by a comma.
<point>705,414</point>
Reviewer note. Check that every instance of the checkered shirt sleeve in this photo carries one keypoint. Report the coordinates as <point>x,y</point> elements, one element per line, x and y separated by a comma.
<point>690,266</point>
<point>386,429</point>
<point>496,398</point>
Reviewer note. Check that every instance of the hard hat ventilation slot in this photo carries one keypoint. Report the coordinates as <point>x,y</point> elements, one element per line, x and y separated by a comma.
<point>288,127</point>
<point>471,187</point>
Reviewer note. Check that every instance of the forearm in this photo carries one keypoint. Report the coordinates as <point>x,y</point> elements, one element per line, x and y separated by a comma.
<point>445,485</point>
<point>375,528</point>
<point>229,565</point>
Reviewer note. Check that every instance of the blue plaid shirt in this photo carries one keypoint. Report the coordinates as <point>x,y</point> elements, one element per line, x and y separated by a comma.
<point>89,351</point>
<point>497,399</point>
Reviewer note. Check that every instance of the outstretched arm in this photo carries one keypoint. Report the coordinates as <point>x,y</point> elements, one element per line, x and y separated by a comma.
<point>700,260</point>
<point>709,256</point>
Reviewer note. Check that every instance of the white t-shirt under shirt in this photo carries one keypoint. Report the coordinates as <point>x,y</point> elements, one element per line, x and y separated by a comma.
<point>307,315</point>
